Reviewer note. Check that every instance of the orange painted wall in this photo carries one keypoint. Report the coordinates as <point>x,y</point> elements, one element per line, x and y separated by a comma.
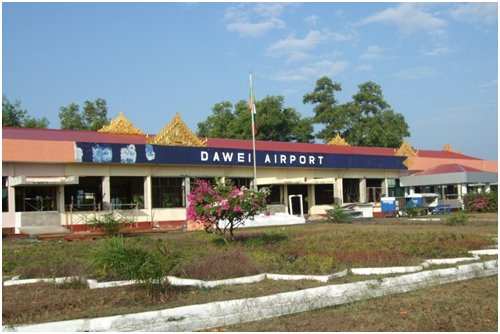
<point>39,151</point>
<point>420,164</point>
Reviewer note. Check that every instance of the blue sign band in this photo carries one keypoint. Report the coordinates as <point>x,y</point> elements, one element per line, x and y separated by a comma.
<point>179,155</point>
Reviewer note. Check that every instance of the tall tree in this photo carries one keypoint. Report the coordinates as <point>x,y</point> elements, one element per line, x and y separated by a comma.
<point>14,116</point>
<point>378,125</point>
<point>367,120</point>
<point>275,122</point>
<point>326,110</point>
<point>95,114</point>
<point>216,125</point>
<point>93,117</point>
<point>70,117</point>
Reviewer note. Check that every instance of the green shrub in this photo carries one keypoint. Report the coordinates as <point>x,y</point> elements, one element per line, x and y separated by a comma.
<point>148,266</point>
<point>481,201</point>
<point>337,215</point>
<point>414,211</point>
<point>313,263</point>
<point>457,218</point>
<point>109,225</point>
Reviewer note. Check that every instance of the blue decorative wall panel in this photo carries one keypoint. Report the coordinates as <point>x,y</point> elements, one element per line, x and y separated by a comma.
<point>177,155</point>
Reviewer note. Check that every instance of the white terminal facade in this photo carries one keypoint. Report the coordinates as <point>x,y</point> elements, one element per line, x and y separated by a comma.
<point>65,177</point>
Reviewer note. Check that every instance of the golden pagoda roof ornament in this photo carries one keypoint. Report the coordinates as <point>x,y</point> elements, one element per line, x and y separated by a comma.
<point>447,148</point>
<point>408,162</point>
<point>405,151</point>
<point>121,125</point>
<point>338,141</point>
<point>176,134</point>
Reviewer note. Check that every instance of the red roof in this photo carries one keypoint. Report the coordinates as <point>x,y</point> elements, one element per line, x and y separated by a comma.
<point>296,147</point>
<point>71,135</point>
<point>449,168</point>
<point>100,137</point>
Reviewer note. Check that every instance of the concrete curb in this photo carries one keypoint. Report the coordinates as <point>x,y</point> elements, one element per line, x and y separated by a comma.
<point>93,284</point>
<point>198,317</point>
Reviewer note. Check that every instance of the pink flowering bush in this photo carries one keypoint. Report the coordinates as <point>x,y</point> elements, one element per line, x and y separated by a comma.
<point>481,201</point>
<point>224,206</point>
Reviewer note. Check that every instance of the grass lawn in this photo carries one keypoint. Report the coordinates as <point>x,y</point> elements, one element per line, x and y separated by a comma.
<point>470,306</point>
<point>313,248</point>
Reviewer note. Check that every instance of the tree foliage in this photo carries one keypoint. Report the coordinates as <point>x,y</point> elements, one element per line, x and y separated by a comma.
<point>275,122</point>
<point>93,117</point>
<point>216,125</point>
<point>14,116</point>
<point>224,206</point>
<point>367,120</point>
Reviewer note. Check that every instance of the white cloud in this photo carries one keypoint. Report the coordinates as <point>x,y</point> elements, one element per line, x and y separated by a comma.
<point>291,44</point>
<point>417,73</point>
<point>364,67</point>
<point>409,17</point>
<point>248,29</point>
<point>492,83</point>
<point>269,9</point>
<point>437,51</point>
<point>374,52</point>
<point>294,48</point>
<point>297,57</point>
<point>312,19</point>
<point>255,21</point>
<point>288,92</point>
<point>476,12</point>
<point>313,71</point>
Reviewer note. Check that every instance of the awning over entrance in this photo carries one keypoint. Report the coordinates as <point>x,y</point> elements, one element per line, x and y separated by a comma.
<point>298,180</point>
<point>275,180</point>
<point>23,180</point>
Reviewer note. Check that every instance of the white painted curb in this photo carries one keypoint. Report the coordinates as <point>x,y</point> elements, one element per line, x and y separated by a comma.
<point>198,317</point>
<point>93,284</point>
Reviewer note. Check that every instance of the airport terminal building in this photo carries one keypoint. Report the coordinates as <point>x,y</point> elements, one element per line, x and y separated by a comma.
<point>65,177</point>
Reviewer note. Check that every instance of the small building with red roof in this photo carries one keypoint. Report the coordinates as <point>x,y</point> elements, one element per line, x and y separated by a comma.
<point>65,177</point>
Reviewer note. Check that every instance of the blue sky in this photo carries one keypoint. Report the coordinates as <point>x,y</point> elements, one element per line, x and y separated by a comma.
<point>437,63</point>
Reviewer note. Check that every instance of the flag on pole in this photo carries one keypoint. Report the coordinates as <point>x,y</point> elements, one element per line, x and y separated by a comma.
<point>251,105</point>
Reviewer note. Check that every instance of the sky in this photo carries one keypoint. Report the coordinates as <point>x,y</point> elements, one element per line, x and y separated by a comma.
<point>437,63</point>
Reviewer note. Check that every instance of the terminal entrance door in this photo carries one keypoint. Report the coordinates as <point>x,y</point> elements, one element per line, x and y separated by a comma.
<point>298,189</point>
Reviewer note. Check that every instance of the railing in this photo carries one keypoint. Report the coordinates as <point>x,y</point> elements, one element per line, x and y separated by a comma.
<point>122,209</point>
<point>39,204</point>
<point>452,196</point>
<point>374,194</point>
<point>82,213</point>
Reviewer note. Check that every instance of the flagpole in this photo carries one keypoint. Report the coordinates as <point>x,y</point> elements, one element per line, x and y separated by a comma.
<point>253,134</point>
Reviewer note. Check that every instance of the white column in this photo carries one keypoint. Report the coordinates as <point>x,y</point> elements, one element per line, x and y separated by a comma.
<point>311,197</point>
<point>148,203</point>
<point>337,191</point>
<point>362,190</point>
<point>60,199</point>
<point>187,190</point>
<point>106,193</point>
<point>285,197</point>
